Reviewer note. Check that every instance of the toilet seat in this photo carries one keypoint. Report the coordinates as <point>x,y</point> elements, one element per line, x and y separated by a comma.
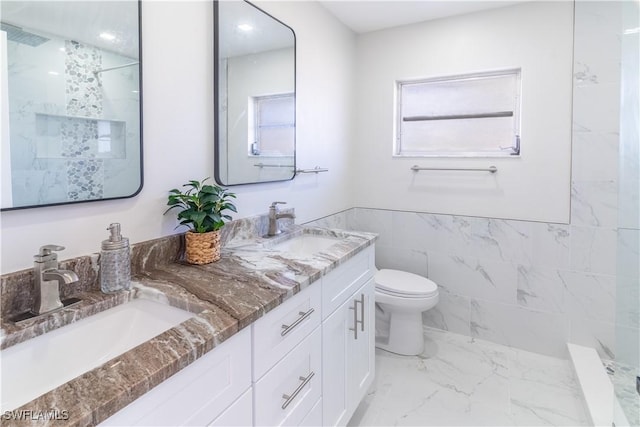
<point>404,285</point>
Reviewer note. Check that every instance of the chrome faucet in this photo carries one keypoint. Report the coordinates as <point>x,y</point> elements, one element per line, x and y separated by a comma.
<point>47,279</point>
<point>274,216</point>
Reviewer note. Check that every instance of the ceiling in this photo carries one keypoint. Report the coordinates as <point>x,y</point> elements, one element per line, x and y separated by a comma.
<point>363,16</point>
<point>82,21</point>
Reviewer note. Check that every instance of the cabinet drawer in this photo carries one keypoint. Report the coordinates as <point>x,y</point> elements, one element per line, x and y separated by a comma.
<point>240,413</point>
<point>197,394</point>
<point>299,377</point>
<point>283,328</point>
<point>314,417</point>
<point>341,283</point>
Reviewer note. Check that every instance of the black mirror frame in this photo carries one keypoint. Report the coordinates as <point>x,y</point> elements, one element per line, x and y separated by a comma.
<point>140,93</point>
<point>216,96</point>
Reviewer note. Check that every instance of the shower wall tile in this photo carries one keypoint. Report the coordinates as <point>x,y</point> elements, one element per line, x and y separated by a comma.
<point>628,253</point>
<point>589,296</point>
<point>472,277</point>
<point>594,203</point>
<point>540,332</point>
<point>594,156</point>
<point>628,302</point>
<point>541,288</point>
<point>600,116</point>
<point>594,334</point>
<point>452,313</point>
<point>627,354</point>
<point>596,40</point>
<point>551,245</point>
<point>629,202</point>
<point>593,250</point>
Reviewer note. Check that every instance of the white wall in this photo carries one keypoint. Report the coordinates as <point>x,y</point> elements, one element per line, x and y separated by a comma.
<point>178,132</point>
<point>536,36</point>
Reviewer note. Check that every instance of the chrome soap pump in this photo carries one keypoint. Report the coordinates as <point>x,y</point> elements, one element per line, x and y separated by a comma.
<point>115,262</point>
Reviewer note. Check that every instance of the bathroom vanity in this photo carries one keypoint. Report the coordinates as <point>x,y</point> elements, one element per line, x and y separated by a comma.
<point>281,334</point>
<point>274,372</point>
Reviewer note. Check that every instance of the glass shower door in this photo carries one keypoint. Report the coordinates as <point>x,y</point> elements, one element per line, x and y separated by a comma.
<point>628,248</point>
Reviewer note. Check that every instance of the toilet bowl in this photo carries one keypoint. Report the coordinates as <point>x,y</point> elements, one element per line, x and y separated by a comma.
<point>401,298</point>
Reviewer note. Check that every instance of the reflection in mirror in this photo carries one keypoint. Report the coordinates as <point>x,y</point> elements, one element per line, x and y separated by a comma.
<point>254,95</point>
<point>70,93</point>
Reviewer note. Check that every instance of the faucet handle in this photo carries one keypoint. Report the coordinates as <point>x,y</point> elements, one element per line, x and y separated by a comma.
<point>48,249</point>
<point>273,205</point>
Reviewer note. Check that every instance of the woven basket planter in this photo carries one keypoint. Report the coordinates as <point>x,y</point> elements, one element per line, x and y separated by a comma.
<point>202,248</point>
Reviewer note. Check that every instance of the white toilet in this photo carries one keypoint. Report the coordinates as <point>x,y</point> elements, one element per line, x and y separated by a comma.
<point>401,298</point>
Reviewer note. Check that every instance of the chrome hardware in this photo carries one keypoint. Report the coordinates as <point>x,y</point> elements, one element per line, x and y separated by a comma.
<point>303,315</point>
<point>362,312</point>
<point>515,148</point>
<point>274,216</point>
<point>355,317</point>
<point>458,116</point>
<point>491,169</point>
<point>289,398</point>
<point>262,165</point>
<point>47,279</point>
<point>315,170</point>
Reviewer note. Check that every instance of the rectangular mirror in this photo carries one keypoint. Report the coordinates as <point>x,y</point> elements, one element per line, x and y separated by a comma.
<point>70,80</point>
<point>255,95</point>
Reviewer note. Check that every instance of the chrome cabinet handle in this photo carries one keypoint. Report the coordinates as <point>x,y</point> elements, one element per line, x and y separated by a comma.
<point>362,312</point>
<point>355,319</point>
<point>303,315</point>
<point>305,381</point>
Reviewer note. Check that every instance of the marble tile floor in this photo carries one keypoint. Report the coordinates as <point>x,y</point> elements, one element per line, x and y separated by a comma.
<point>623,378</point>
<point>463,381</point>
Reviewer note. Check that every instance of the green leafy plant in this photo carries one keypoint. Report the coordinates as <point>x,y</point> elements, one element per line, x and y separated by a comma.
<point>202,206</point>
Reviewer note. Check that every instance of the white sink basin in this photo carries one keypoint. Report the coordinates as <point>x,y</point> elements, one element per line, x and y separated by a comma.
<point>36,366</point>
<point>306,244</point>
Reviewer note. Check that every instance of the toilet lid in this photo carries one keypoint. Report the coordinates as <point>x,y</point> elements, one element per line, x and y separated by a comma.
<point>403,283</point>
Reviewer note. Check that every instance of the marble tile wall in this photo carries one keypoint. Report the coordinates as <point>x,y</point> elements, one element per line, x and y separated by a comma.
<point>55,156</point>
<point>530,285</point>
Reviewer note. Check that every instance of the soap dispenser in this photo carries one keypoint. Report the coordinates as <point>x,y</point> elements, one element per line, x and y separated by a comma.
<point>115,262</point>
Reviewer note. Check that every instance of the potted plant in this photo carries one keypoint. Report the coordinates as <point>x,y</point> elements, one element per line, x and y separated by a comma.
<point>201,209</point>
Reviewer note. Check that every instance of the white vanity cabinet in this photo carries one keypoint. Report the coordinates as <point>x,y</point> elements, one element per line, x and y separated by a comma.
<point>308,362</point>
<point>348,337</point>
<point>287,361</point>
<point>197,395</point>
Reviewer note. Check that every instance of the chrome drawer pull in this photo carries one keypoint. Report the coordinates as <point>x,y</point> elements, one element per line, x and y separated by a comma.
<point>287,328</point>
<point>362,312</point>
<point>305,381</point>
<point>355,319</point>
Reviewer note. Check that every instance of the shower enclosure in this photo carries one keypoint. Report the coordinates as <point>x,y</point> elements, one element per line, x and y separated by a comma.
<point>627,367</point>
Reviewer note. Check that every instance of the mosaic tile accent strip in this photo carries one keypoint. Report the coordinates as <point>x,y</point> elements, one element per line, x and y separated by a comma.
<point>84,98</point>
<point>83,88</point>
<point>86,179</point>
<point>79,137</point>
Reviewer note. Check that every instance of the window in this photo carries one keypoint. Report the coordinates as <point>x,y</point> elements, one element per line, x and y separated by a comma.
<point>468,115</point>
<point>272,125</point>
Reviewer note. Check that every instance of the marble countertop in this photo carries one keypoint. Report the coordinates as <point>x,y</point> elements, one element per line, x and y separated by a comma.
<point>250,280</point>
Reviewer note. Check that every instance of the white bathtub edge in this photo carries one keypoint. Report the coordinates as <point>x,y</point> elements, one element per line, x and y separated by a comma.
<point>596,387</point>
